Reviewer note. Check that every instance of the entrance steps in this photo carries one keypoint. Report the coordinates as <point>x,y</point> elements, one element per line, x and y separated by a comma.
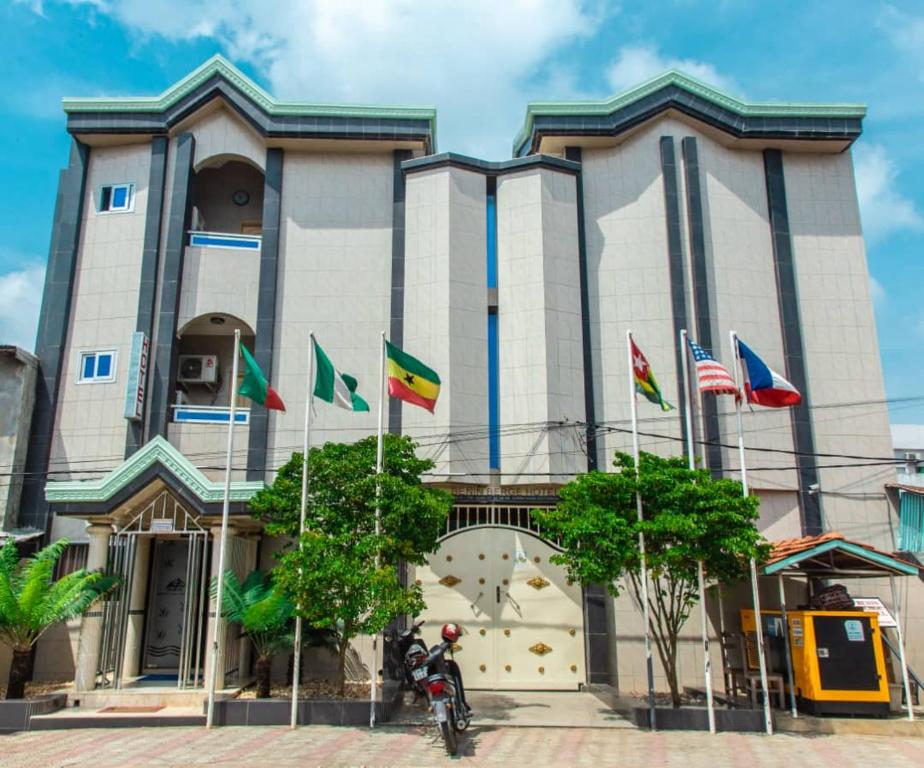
<point>144,696</point>
<point>85,717</point>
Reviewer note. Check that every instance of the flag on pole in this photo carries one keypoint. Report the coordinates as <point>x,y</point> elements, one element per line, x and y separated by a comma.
<point>255,386</point>
<point>645,381</point>
<point>763,385</point>
<point>711,375</point>
<point>331,386</point>
<point>410,380</point>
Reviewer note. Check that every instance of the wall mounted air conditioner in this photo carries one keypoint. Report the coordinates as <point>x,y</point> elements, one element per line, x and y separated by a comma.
<point>198,369</point>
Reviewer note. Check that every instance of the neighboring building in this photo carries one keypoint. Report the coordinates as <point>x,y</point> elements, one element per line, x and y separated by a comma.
<point>18,370</point>
<point>907,494</point>
<point>908,447</point>
<point>213,207</point>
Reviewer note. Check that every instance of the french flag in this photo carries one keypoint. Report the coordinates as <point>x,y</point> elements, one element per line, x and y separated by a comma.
<point>763,385</point>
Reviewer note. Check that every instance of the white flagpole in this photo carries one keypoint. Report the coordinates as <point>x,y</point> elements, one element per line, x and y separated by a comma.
<point>379,462</point>
<point>707,662</point>
<point>896,609</point>
<point>306,443</point>
<point>223,544</point>
<point>758,626</point>
<point>641,538</point>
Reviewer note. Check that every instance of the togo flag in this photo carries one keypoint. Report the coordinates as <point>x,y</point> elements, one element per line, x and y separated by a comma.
<point>410,380</point>
<point>334,387</point>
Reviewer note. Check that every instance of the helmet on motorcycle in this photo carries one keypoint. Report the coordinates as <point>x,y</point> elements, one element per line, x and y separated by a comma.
<point>451,632</point>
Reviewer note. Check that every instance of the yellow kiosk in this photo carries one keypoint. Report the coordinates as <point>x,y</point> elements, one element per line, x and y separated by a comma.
<point>838,663</point>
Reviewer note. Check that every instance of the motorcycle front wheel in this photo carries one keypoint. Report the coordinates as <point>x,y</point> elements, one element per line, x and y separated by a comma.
<point>449,738</point>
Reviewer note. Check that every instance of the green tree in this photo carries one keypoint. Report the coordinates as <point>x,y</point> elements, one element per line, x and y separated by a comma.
<point>332,575</point>
<point>31,601</point>
<point>264,613</point>
<point>688,517</point>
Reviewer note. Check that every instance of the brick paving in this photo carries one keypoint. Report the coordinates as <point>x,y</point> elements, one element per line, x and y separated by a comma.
<point>390,746</point>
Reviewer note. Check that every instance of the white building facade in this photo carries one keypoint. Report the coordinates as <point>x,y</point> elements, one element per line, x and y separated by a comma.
<point>214,207</point>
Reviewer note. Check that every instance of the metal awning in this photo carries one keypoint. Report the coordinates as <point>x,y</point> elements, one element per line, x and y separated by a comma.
<point>830,556</point>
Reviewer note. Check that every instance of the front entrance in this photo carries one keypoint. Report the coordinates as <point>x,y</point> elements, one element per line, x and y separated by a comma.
<point>522,620</point>
<point>166,606</point>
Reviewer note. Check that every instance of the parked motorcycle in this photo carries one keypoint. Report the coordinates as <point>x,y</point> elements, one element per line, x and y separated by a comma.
<point>442,681</point>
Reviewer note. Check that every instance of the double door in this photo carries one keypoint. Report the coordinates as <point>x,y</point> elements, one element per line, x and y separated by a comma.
<point>522,620</point>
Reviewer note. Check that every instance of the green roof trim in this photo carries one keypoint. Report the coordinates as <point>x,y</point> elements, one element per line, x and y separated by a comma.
<point>889,563</point>
<point>220,66</point>
<point>158,450</point>
<point>602,107</point>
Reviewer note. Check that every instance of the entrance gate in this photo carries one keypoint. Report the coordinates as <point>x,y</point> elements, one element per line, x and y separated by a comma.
<point>522,620</point>
<point>168,520</point>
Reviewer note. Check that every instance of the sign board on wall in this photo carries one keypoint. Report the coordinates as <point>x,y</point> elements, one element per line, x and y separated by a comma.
<point>874,605</point>
<point>137,376</point>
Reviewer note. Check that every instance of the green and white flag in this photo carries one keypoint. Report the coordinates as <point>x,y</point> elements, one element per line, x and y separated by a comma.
<point>334,387</point>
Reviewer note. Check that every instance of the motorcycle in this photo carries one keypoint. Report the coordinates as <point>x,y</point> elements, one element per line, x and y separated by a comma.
<point>413,652</point>
<point>442,681</point>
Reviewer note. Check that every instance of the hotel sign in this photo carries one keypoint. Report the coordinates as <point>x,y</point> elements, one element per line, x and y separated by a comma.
<point>137,376</point>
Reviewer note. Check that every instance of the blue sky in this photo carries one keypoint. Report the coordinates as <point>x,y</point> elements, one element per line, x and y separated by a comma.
<point>479,62</point>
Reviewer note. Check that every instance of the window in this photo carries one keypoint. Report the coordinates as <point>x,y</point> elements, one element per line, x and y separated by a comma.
<point>116,197</point>
<point>97,366</point>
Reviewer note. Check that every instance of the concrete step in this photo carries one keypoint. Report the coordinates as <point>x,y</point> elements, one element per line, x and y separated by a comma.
<point>83,717</point>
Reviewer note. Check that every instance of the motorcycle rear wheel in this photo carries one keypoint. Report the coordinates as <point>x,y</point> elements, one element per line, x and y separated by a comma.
<point>450,740</point>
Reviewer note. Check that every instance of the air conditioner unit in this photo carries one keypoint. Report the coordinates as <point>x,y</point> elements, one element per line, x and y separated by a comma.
<point>912,457</point>
<point>198,369</point>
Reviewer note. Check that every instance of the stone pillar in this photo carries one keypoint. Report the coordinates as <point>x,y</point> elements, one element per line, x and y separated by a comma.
<point>214,614</point>
<point>91,626</point>
<point>134,630</point>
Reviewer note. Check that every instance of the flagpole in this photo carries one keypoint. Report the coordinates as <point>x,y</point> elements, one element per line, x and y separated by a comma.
<point>758,626</point>
<point>379,462</point>
<point>691,461</point>
<point>223,544</point>
<point>649,664</point>
<point>297,655</point>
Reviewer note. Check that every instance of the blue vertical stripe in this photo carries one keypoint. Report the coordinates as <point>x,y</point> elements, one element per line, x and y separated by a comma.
<point>493,394</point>
<point>492,241</point>
<point>493,352</point>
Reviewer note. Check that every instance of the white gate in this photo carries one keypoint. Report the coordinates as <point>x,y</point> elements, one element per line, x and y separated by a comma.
<point>522,619</point>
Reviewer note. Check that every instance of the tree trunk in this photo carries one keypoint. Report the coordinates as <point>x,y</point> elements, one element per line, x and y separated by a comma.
<point>670,669</point>
<point>341,663</point>
<point>20,673</point>
<point>262,669</point>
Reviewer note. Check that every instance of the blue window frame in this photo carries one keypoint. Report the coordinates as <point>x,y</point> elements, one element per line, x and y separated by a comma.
<point>97,367</point>
<point>116,198</point>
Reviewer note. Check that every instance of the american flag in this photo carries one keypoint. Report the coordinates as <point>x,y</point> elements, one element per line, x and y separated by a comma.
<point>711,374</point>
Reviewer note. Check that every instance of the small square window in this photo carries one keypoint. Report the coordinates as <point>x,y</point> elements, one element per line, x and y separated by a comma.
<point>116,197</point>
<point>97,366</point>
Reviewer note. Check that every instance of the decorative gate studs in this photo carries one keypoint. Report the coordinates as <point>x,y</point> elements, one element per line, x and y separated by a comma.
<point>450,580</point>
<point>537,582</point>
<point>540,649</point>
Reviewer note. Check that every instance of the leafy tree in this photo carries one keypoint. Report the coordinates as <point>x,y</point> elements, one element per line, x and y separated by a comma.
<point>264,613</point>
<point>332,575</point>
<point>31,602</point>
<point>688,517</point>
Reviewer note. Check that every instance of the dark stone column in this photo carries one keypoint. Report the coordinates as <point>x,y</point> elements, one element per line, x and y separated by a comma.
<point>164,354</point>
<point>396,326</point>
<point>574,153</point>
<point>788,294</point>
<point>702,289</point>
<point>149,256</point>
<point>676,268</point>
<point>51,341</point>
<point>266,307</point>
<point>596,637</point>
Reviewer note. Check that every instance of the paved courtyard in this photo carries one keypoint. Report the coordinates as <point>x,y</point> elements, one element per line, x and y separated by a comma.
<point>275,747</point>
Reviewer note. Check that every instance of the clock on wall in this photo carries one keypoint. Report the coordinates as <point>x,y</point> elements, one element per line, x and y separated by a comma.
<point>241,197</point>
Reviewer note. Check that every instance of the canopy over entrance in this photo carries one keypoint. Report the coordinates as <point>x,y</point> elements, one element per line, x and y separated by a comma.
<point>830,556</point>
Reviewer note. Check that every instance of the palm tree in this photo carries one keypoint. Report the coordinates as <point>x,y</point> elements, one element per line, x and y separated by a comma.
<point>265,614</point>
<point>31,601</point>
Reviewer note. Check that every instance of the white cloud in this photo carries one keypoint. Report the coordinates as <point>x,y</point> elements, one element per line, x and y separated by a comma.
<point>637,63</point>
<point>883,208</point>
<point>905,31</point>
<point>20,302</point>
<point>877,291</point>
<point>478,62</point>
